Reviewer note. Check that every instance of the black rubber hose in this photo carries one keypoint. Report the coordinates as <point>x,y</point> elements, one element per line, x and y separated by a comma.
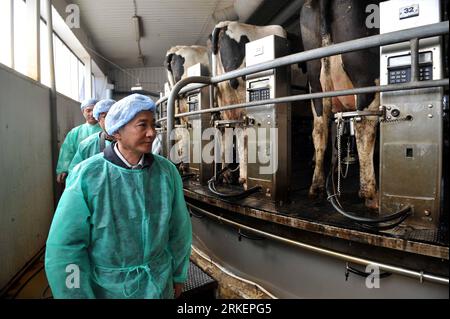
<point>365,274</point>
<point>402,213</point>
<point>385,227</point>
<point>248,192</point>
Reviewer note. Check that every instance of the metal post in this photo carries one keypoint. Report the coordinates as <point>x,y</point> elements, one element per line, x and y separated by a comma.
<point>53,105</point>
<point>171,104</point>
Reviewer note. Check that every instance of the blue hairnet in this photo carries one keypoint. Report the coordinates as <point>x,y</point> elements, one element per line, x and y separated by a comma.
<point>102,106</point>
<point>125,110</point>
<point>88,102</point>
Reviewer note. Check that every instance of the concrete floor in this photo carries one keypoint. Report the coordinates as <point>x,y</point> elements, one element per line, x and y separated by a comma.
<point>32,285</point>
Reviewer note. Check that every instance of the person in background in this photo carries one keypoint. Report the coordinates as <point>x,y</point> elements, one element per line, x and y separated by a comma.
<point>96,142</point>
<point>121,228</point>
<point>73,139</point>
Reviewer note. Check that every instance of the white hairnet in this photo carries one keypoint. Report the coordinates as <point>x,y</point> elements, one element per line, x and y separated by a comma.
<point>87,103</point>
<point>102,106</point>
<point>125,110</point>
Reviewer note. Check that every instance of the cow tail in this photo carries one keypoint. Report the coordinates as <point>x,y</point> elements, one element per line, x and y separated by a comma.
<point>168,61</point>
<point>215,40</point>
<point>324,18</point>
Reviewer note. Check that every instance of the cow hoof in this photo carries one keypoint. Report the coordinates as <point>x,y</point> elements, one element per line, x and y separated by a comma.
<point>316,193</point>
<point>227,178</point>
<point>372,203</point>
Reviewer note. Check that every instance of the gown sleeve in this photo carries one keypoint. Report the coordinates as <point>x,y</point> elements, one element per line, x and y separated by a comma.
<point>66,153</point>
<point>180,232</point>
<point>79,156</point>
<point>67,262</point>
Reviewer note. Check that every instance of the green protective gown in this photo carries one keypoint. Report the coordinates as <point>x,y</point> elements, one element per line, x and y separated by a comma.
<point>70,145</point>
<point>87,148</point>
<point>127,233</point>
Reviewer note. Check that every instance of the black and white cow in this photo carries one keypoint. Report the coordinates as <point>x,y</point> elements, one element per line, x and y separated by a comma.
<point>177,62</point>
<point>322,23</point>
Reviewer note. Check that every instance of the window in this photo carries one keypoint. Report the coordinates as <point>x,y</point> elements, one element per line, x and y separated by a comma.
<point>5,34</point>
<point>93,86</point>
<point>81,81</point>
<point>20,37</point>
<point>69,70</point>
<point>45,64</point>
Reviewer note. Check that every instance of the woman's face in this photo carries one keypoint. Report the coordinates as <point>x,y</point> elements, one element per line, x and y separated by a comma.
<point>138,135</point>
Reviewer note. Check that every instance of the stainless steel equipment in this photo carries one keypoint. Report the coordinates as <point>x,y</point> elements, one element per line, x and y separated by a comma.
<point>199,100</point>
<point>270,122</point>
<point>411,136</point>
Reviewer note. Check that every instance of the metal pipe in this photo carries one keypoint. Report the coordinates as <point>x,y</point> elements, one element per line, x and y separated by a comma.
<point>414,43</point>
<point>300,97</point>
<point>53,105</point>
<point>361,261</point>
<point>183,90</point>
<point>287,13</point>
<point>353,45</point>
<point>171,104</point>
<point>344,47</point>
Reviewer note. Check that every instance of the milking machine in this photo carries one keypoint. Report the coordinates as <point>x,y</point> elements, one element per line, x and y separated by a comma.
<point>200,169</point>
<point>411,136</point>
<point>264,132</point>
<point>269,126</point>
<point>411,126</point>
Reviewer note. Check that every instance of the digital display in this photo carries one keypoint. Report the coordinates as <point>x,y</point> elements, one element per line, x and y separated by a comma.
<point>424,57</point>
<point>259,84</point>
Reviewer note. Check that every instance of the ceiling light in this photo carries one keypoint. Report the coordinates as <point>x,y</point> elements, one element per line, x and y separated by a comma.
<point>136,88</point>
<point>137,26</point>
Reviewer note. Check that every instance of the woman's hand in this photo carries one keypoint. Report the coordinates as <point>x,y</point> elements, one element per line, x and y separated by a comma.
<point>61,178</point>
<point>178,289</point>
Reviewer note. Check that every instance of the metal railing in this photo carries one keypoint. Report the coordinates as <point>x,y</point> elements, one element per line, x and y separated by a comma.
<point>354,45</point>
<point>420,275</point>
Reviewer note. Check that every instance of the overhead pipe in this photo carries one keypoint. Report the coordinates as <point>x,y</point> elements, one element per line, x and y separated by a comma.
<point>246,8</point>
<point>289,11</point>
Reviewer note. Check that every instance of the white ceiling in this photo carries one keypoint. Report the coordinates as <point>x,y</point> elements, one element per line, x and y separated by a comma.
<point>165,23</point>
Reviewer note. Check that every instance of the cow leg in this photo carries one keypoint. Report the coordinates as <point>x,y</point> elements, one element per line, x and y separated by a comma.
<point>242,155</point>
<point>365,133</point>
<point>226,174</point>
<point>320,138</point>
